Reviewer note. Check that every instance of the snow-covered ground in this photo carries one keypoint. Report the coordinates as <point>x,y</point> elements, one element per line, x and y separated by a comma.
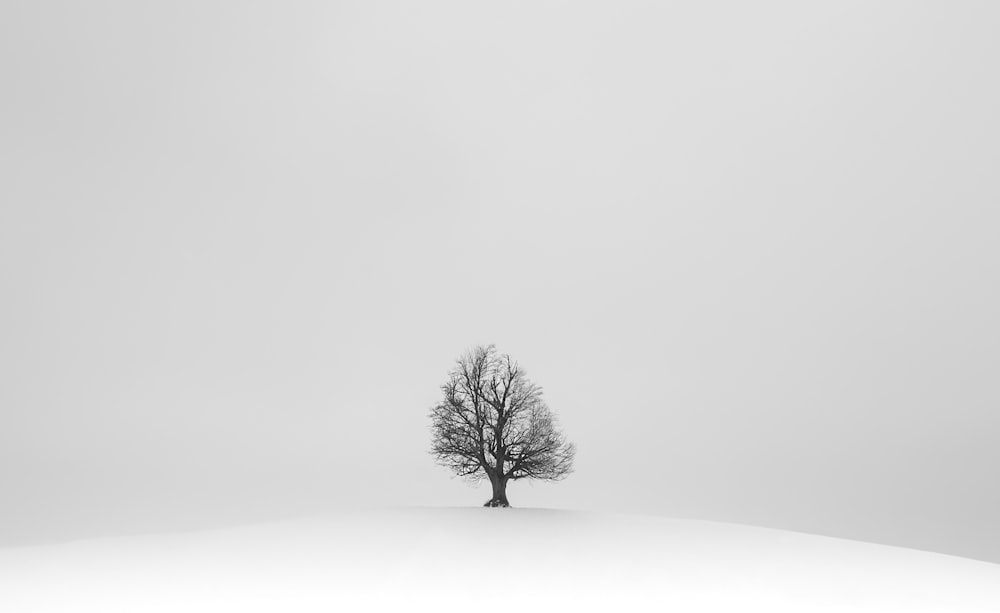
<point>489,559</point>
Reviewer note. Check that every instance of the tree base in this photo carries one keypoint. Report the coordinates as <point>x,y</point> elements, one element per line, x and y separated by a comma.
<point>494,502</point>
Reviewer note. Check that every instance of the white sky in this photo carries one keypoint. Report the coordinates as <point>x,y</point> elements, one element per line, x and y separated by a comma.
<point>749,250</point>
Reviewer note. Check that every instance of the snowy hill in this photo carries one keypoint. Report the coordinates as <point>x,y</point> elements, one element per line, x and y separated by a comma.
<point>493,559</point>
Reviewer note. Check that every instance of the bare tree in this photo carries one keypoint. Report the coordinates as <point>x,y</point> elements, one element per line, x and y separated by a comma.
<point>492,423</point>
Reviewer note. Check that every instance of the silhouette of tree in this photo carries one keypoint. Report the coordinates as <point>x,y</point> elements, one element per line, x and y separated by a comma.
<point>492,423</point>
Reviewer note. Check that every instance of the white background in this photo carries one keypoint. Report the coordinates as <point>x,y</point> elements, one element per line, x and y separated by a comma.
<point>748,249</point>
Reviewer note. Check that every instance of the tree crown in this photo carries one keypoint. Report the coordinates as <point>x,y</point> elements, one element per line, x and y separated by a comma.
<point>493,423</point>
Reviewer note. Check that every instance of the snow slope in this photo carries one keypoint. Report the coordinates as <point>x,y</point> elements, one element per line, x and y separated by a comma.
<point>489,559</point>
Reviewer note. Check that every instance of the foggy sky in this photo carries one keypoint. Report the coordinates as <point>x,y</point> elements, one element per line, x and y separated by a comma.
<point>749,250</point>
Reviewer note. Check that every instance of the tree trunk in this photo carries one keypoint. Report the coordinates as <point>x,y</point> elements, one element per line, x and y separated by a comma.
<point>499,498</point>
